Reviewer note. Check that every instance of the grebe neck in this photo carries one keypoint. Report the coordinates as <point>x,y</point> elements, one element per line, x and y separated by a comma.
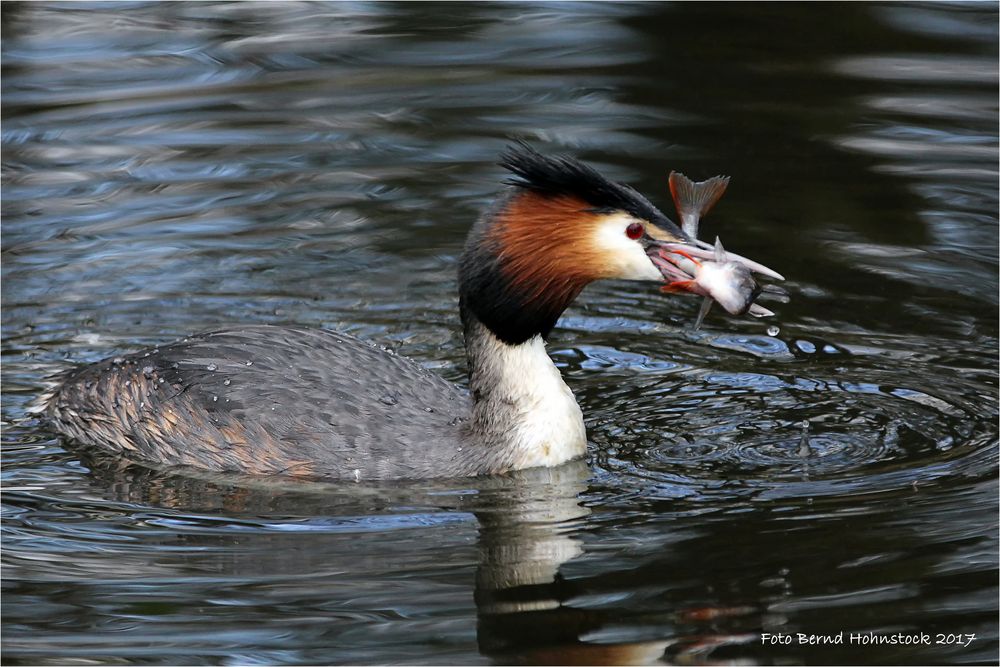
<point>522,409</point>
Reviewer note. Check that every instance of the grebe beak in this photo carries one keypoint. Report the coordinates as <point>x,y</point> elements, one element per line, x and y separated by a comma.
<point>681,264</point>
<point>678,260</point>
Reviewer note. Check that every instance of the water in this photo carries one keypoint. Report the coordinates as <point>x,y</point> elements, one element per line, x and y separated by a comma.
<point>180,166</point>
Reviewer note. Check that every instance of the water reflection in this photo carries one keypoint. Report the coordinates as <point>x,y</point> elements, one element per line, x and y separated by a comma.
<point>526,534</point>
<point>320,549</point>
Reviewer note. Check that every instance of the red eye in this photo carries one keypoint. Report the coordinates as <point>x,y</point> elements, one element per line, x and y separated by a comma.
<point>634,231</point>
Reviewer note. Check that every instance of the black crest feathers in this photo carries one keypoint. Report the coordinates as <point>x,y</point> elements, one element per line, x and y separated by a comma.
<point>563,176</point>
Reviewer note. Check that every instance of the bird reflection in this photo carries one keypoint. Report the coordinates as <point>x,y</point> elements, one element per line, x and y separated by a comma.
<point>525,536</point>
<point>521,598</point>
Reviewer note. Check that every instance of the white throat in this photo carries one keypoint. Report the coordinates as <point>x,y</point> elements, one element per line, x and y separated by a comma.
<point>523,408</point>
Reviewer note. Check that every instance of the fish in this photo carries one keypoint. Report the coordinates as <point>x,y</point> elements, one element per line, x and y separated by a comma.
<point>720,280</point>
<point>719,276</point>
<point>695,200</point>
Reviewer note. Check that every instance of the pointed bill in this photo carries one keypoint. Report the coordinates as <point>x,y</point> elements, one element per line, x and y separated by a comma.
<point>702,250</point>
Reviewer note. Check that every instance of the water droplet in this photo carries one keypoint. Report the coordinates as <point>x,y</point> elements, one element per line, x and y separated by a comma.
<point>148,371</point>
<point>805,346</point>
<point>428,409</point>
<point>227,382</point>
<point>128,383</point>
<point>773,330</point>
<point>212,367</point>
<point>249,363</point>
<point>162,380</point>
<point>142,404</point>
<point>805,450</point>
<point>117,361</point>
<point>215,398</point>
<point>459,449</point>
<point>175,365</point>
<point>390,399</point>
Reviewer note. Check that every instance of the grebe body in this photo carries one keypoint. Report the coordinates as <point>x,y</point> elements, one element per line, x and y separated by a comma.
<point>318,404</point>
<point>312,403</point>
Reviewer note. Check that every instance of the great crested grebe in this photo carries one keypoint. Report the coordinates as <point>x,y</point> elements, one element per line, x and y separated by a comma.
<point>272,400</point>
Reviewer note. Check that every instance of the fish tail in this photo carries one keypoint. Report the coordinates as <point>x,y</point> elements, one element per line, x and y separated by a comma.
<point>694,200</point>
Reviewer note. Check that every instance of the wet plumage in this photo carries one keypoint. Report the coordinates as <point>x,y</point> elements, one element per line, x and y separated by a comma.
<point>269,400</point>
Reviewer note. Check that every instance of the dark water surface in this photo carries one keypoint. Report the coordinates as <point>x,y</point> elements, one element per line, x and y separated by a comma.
<point>169,168</point>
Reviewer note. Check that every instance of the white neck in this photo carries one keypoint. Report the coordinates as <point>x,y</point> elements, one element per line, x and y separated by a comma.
<point>523,409</point>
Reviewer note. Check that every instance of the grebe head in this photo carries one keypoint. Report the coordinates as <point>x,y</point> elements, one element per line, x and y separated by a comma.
<point>560,226</point>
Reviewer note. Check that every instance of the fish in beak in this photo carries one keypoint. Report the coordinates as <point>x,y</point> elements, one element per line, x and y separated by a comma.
<point>695,267</point>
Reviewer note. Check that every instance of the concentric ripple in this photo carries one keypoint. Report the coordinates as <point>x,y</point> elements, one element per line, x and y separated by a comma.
<point>861,427</point>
